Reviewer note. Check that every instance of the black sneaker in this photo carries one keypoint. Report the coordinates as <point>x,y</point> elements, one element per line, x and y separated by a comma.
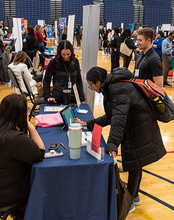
<point>166,84</point>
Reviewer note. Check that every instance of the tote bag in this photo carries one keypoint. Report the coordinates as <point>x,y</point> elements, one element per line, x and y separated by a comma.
<point>124,49</point>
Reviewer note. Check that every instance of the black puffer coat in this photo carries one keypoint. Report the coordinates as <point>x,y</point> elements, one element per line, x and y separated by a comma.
<point>131,122</point>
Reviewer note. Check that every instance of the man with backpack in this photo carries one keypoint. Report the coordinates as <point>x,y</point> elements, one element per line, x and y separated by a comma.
<point>148,65</point>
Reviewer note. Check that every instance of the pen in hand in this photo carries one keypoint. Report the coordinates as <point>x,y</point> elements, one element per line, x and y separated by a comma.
<point>63,145</point>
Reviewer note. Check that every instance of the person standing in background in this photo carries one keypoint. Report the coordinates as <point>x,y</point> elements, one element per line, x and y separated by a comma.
<point>115,45</point>
<point>77,34</point>
<point>100,37</point>
<point>167,56</point>
<point>157,44</point>
<point>148,65</point>
<point>40,38</point>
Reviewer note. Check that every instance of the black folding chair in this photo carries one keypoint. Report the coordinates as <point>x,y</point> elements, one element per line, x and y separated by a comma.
<point>35,99</point>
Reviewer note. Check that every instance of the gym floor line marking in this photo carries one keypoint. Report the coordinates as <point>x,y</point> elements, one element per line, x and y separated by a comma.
<point>153,174</point>
<point>168,152</point>
<point>143,214</point>
<point>157,200</point>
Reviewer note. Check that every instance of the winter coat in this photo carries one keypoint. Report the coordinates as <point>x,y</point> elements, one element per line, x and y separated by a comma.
<point>131,122</point>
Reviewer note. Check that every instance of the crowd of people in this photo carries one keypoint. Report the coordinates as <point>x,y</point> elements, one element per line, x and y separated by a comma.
<point>126,110</point>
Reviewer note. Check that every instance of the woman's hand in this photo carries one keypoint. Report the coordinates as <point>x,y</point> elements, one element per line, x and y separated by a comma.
<point>112,154</point>
<point>77,120</point>
<point>51,100</point>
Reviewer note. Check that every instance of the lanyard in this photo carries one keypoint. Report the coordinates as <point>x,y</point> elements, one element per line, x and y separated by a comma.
<point>141,61</point>
<point>68,73</point>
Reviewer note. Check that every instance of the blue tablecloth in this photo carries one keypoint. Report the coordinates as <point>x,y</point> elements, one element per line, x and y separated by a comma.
<point>65,189</point>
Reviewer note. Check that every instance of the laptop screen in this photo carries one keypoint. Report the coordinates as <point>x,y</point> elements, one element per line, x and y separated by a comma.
<point>67,114</point>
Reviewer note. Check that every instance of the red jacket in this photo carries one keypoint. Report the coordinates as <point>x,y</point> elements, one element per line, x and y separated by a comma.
<point>39,36</point>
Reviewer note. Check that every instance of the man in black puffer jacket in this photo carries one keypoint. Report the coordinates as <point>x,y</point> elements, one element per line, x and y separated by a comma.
<point>131,122</point>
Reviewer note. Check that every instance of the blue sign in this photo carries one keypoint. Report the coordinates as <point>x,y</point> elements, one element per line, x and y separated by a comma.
<point>49,28</point>
<point>131,26</point>
<point>62,24</point>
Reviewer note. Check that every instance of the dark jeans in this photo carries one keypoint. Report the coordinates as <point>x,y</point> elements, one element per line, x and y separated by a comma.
<point>134,180</point>
<point>167,62</point>
<point>41,47</point>
<point>115,57</point>
<point>126,60</point>
<point>78,40</point>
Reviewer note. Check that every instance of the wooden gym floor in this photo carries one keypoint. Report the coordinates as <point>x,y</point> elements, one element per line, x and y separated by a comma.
<point>157,185</point>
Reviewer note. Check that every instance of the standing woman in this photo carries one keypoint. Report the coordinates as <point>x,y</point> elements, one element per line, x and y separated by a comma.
<point>17,150</point>
<point>65,70</point>
<point>30,43</point>
<point>126,36</point>
<point>40,38</point>
<point>64,33</point>
<point>157,44</point>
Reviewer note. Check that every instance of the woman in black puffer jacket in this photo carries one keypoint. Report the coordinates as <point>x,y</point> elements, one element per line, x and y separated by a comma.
<point>132,125</point>
<point>129,42</point>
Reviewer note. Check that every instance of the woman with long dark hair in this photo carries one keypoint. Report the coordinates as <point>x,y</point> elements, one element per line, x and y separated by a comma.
<point>65,70</point>
<point>126,36</point>
<point>30,43</point>
<point>17,150</point>
<point>2,47</point>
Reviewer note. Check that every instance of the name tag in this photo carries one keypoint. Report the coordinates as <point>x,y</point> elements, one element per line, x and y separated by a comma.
<point>136,72</point>
<point>69,85</point>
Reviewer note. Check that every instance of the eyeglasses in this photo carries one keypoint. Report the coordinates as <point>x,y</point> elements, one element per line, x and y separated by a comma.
<point>90,85</point>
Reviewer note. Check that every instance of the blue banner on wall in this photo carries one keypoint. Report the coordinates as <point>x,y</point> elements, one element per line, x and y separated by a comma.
<point>62,24</point>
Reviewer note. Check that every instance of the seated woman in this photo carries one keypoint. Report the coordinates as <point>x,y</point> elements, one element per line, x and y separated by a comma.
<point>18,66</point>
<point>17,150</point>
<point>65,70</point>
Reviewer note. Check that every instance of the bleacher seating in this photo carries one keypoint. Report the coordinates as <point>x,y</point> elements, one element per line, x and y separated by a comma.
<point>74,7</point>
<point>1,11</point>
<point>157,12</point>
<point>33,10</point>
<point>119,11</point>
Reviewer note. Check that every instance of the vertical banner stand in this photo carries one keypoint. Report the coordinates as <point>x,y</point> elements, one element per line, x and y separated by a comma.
<point>91,15</point>
<point>55,25</point>
<point>70,34</point>
<point>17,33</point>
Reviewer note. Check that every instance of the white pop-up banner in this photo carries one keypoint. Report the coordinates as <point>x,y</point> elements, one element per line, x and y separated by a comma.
<point>17,33</point>
<point>109,25</point>
<point>70,34</point>
<point>91,15</point>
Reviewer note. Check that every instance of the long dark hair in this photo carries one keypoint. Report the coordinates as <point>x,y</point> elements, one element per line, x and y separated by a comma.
<point>31,32</point>
<point>64,44</point>
<point>13,115</point>
<point>96,74</point>
<point>2,47</point>
<point>126,32</point>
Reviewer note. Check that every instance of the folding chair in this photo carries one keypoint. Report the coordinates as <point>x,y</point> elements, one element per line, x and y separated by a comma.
<point>35,100</point>
<point>13,79</point>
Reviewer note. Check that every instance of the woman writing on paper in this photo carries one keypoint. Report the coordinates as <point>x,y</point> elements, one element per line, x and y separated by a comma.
<point>65,70</point>
<point>17,150</point>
